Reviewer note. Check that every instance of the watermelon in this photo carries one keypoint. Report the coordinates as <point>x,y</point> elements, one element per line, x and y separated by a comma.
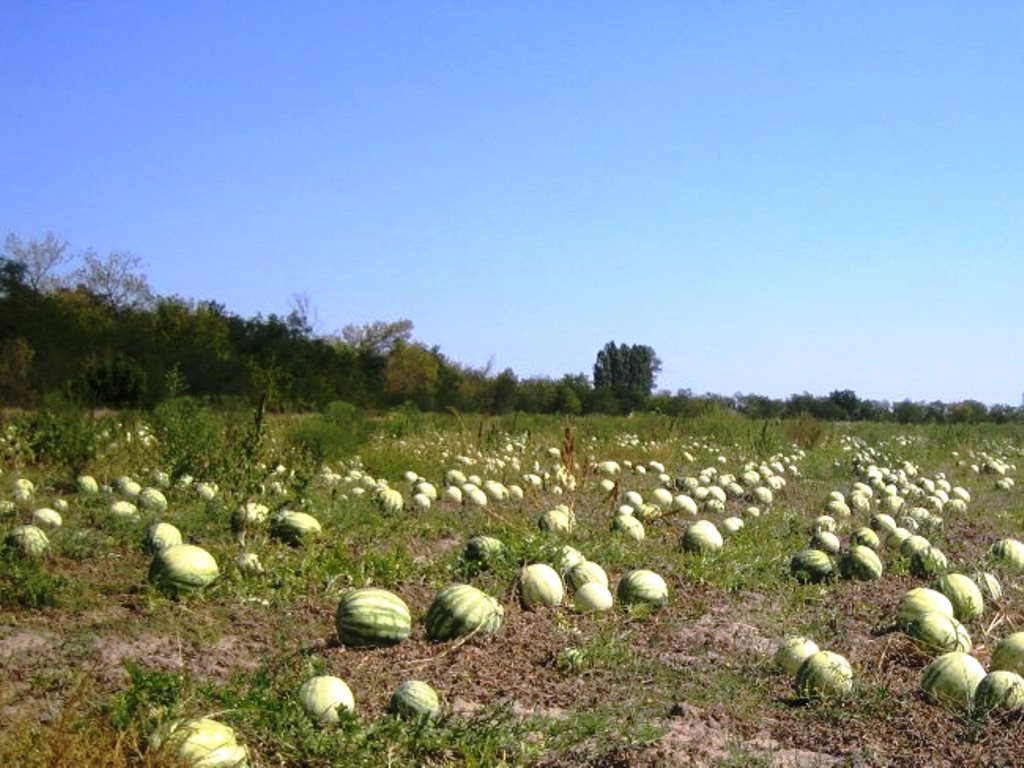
<point>1009,653</point>
<point>702,537</point>
<point>585,572</point>
<point>372,617</point>
<point>461,609</point>
<point>989,585</point>
<point>629,526</point>
<point>200,743</point>
<point>415,699</point>
<point>559,519</point>
<point>865,537</point>
<point>999,690</point>
<point>793,652</point>
<point>592,597</point>
<point>810,566</point>
<point>484,550</point>
<point>826,541</point>
<point>389,500</point>
<point>732,525</point>
<point>47,516</point>
<point>861,563</point>
<point>912,544</point>
<point>324,697</point>
<point>27,540</point>
<point>1009,553</point>
<point>824,675</point>
<point>920,600</point>
<point>540,584</point>
<point>928,561</point>
<point>963,594</point>
<point>294,527</point>
<point>951,679</point>
<point>160,536</point>
<point>183,568</point>
<point>938,633</point>
<point>643,586</point>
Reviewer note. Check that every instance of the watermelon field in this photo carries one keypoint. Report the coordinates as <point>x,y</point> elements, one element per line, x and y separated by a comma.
<point>443,590</point>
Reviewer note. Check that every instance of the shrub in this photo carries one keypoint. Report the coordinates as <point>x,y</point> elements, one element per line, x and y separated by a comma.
<point>188,435</point>
<point>64,433</point>
<point>339,431</point>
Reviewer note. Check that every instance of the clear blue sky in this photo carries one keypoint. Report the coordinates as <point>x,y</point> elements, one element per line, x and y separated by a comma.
<point>777,196</point>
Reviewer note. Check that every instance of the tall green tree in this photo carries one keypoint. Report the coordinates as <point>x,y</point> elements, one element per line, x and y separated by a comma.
<point>626,372</point>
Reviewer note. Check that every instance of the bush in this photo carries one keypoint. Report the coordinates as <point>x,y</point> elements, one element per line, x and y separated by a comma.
<point>63,433</point>
<point>339,431</point>
<point>805,430</point>
<point>188,435</point>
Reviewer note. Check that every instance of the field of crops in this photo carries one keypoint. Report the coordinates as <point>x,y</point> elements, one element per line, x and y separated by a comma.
<point>115,640</point>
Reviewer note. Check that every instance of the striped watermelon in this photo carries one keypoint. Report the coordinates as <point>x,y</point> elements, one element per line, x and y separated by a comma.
<point>584,573</point>
<point>938,633</point>
<point>629,526</point>
<point>824,675</point>
<point>559,519</point>
<point>1009,553</point>
<point>1009,653</point>
<point>793,652</point>
<point>643,586</point>
<point>964,594</point>
<point>999,690</point>
<point>27,540</point>
<point>160,536</point>
<point>183,568</point>
<point>920,600</point>
<point>372,617</point>
<point>702,537</point>
<point>810,565</point>
<point>989,585</point>
<point>928,561</point>
<point>415,699</point>
<point>952,679</point>
<point>861,563</point>
<point>865,537</point>
<point>294,527</point>
<point>484,550</point>
<point>460,609</point>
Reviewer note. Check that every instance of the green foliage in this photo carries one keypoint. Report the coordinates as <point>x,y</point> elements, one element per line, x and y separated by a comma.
<point>64,434</point>
<point>188,436</point>
<point>337,433</point>
<point>28,583</point>
<point>805,430</point>
<point>119,382</point>
<point>626,372</point>
<point>151,695</point>
<point>101,333</point>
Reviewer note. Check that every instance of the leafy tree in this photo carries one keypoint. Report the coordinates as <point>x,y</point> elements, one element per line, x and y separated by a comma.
<point>119,382</point>
<point>504,395</point>
<point>15,370</point>
<point>847,404</point>
<point>628,372</point>
<point>411,375</point>
<point>379,337</point>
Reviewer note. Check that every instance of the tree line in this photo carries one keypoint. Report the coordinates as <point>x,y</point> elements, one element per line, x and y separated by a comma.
<point>99,334</point>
